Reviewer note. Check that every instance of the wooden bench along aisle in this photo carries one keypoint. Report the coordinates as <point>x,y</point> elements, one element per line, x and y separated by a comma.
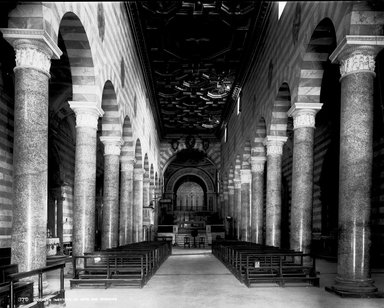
<point>253,264</point>
<point>130,265</point>
<point>23,290</point>
<point>15,292</point>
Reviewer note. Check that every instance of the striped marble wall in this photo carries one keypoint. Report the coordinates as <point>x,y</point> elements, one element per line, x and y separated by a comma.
<point>102,57</point>
<point>321,144</point>
<point>295,52</point>
<point>378,201</point>
<point>6,168</point>
<point>66,149</point>
<point>285,57</point>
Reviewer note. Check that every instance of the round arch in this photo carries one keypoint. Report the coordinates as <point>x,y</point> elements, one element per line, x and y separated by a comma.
<point>170,186</point>
<point>315,61</point>
<point>80,58</point>
<point>190,192</point>
<point>138,155</point>
<point>281,105</point>
<point>111,125</point>
<point>127,134</point>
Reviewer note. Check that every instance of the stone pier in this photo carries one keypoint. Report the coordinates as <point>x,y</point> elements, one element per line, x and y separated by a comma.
<point>138,174</point>
<point>126,202</point>
<point>257,209</point>
<point>274,146</point>
<point>110,229</point>
<point>302,175</point>
<point>87,114</point>
<point>245,225</point>
<point>30,146</point>
<point>356,55</point>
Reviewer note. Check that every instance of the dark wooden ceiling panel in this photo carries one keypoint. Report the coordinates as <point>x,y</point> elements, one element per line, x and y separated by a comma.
<point>195,53</point>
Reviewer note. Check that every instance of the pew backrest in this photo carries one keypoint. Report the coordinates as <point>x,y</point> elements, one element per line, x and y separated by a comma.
<point>5,271</point>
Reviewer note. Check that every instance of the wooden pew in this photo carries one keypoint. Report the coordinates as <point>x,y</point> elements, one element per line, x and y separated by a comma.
<point>280,268</point>
<point>57,297</point>
<point>129,265</point>
<point>23,290</point>
<point>109,269</point>
<point>253,263</point>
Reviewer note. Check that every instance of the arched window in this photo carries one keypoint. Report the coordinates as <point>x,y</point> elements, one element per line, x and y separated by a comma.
<point>190,193</point>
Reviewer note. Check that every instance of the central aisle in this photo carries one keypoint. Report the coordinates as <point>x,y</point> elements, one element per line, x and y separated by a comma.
<point>195,278</point>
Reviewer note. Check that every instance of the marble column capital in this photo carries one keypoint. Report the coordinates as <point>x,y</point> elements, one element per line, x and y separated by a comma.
<point>138,174</point>
<point>258,163</point>
<point>356,54</point>
<point>275,144</point>
<point>127,164</point>
<point>231,189</point>
<point>245,176</point>
<point>237,183</point>
<point>112,145</point>
<point>34,48</point>
<point>87,113</point>
<point>304,114</point>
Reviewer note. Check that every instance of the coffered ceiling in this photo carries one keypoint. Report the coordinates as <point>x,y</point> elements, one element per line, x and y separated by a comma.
<point>195,56</point>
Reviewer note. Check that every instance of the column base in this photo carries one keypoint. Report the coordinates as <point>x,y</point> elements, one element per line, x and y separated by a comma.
<point>355,288</point>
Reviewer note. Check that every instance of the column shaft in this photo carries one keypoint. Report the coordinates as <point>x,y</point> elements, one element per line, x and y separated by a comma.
<point>138,205</point>
<point>60,218</point>
<point>355,168</point>
<point>257,211</point>
<point>84,191</point>
<point>83,239</point>
<point>30,163</point>
<point>273,203</point>
<point>126,203</point>
<point>237,209</point>
<point>245,225</point>
<point>355,178</point>
<point>226,209</point>
<point>231,206</point>
<point>146,213</point>
<point>109,236</point>
<point>273,208</point>
<point>302,183</point>
<point>302,175</point>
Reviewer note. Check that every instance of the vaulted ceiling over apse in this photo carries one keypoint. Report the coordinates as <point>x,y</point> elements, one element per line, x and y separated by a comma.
<point>196,55</point>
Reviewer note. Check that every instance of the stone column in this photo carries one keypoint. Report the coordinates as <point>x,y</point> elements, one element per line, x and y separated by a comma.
<point>146,210</point>
<point>302,175</point>
<point>30,148</point>
<point>226,207</point>
<point>60,219</point>
<point>237,207</point>
<point>356,55</point>
<point>138,174</point>
<point>146,191</point>
<point>273,216</point>
<point>110,229</point>
<point>231,208</point>
<point>220,209</point>
<point>87,114</point>
<point>245,225</point>
<point>157,207</point>
<point>258,166</point>
<point>51,218</point>
<point>126,201</point>
<point>152,202</point>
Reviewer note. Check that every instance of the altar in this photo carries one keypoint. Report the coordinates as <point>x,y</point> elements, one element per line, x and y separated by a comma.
<point>52,244</point>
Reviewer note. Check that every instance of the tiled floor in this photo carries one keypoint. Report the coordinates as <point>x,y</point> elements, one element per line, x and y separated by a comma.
<point>195,278</point>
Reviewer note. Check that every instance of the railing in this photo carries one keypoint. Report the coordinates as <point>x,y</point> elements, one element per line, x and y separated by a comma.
<point>59,296</point>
